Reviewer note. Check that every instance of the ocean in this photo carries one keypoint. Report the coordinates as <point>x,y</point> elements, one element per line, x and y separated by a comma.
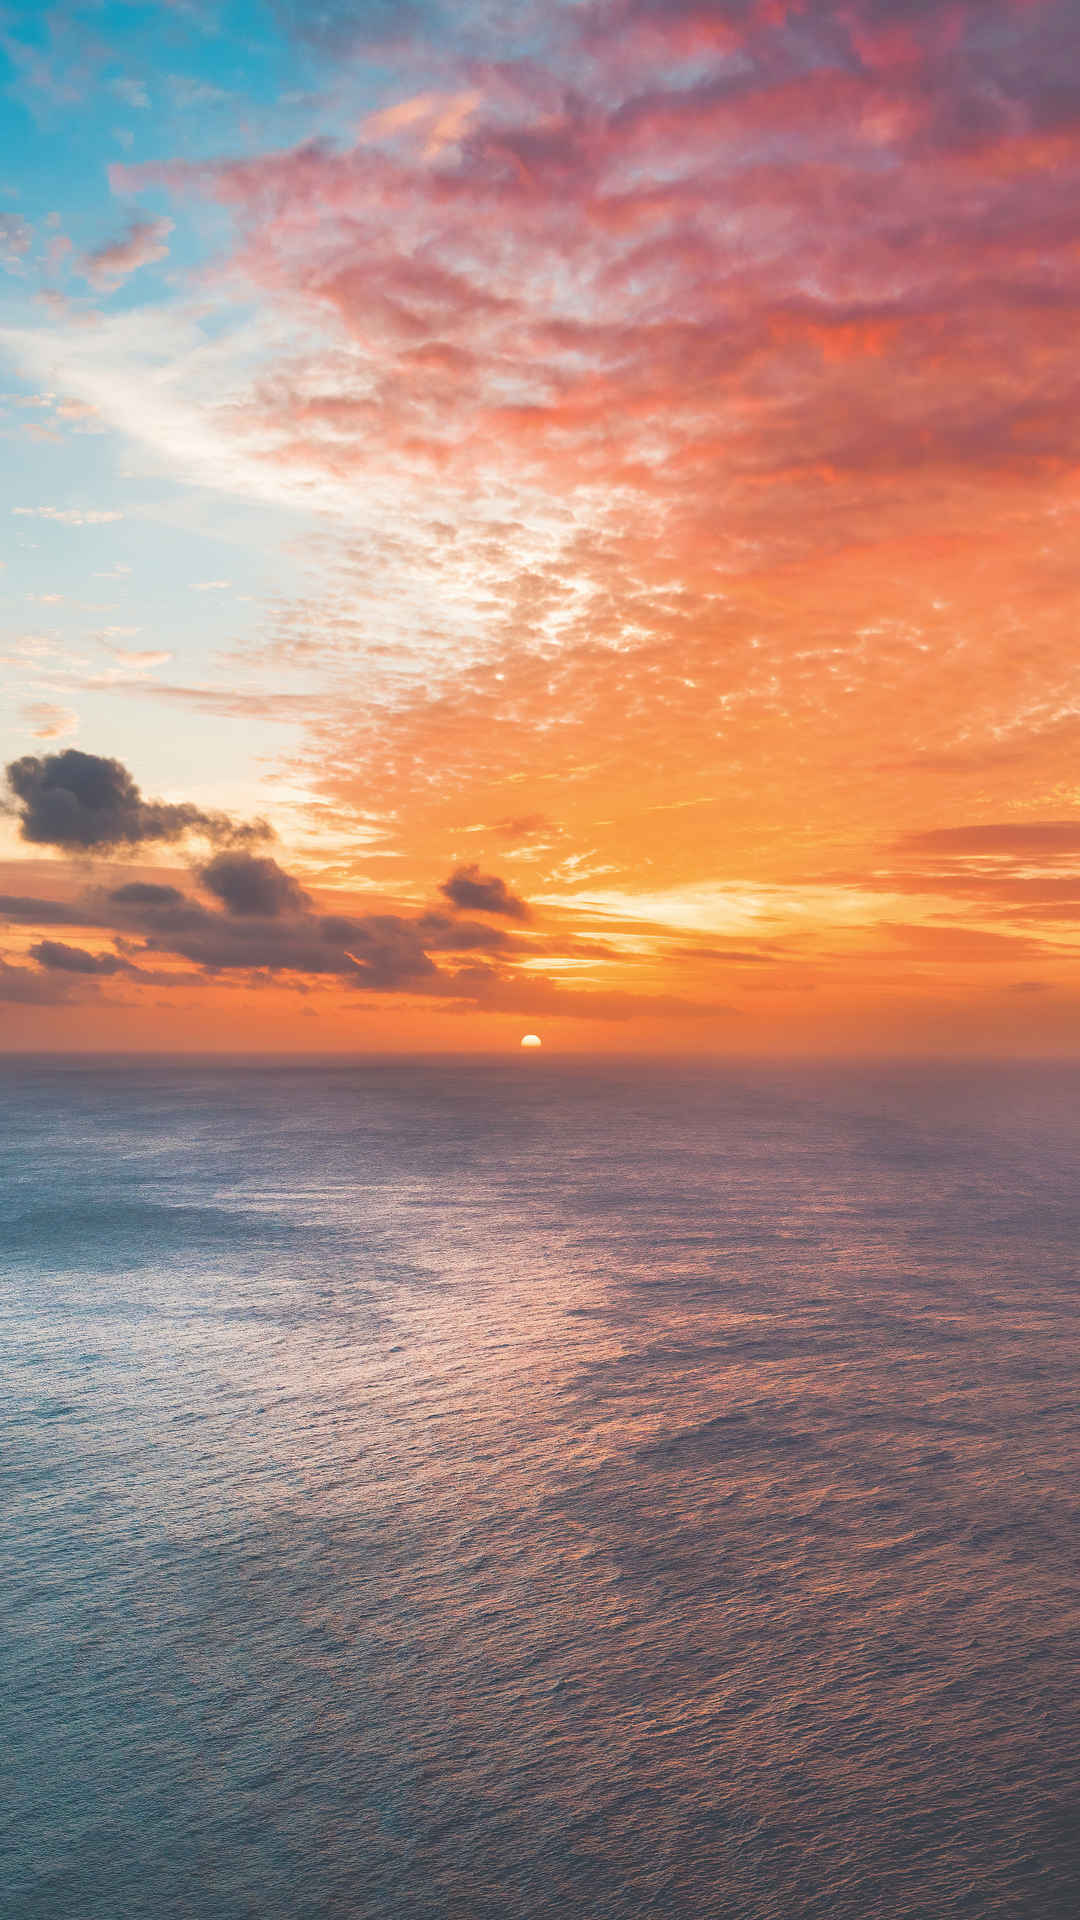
<point>539,1489</point>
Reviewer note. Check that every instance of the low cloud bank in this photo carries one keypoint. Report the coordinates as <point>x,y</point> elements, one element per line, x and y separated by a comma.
<point>245,915</point>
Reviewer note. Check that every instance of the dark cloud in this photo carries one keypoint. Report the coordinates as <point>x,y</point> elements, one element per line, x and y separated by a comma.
<point>383,952</point>
<point>25,986</point>
<point>388,952</point>
<point>477,892</point>
<point>442,933</point>
<point>222,945</point>
<point>147,893</point>
<point>152,907</point>
<point>266,924</point>
<point>27,911</point>
<point>378,951</point>
<point>83,802</point>
<point>56,957</point>
<point>263,924</point>
<point>891,11</point>
<point>253,885</point>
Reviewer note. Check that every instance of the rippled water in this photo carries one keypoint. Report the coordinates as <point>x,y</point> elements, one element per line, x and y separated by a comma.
<point>443,1492</point>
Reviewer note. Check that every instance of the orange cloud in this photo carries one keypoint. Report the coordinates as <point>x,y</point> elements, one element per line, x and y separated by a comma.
<point>700,399</point>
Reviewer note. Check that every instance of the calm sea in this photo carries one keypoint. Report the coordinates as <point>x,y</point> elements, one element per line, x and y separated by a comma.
<point>465,1491</point>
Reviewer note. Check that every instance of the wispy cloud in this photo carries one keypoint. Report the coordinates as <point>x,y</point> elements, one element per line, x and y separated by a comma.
<point>16,240</point>
<point>132,92</point>
<point>48,721</point>
<point>71,516</point>
<point>135,660</point>
<point>677,408</point>
<point>145,242</point>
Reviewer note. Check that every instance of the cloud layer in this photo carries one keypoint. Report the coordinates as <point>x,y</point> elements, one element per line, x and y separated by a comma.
<point>677,408</point>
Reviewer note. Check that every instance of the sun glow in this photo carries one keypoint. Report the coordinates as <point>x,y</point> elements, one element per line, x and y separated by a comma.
<point>531,1040</point>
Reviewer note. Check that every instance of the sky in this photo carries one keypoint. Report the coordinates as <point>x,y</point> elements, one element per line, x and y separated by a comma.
<point>557,517</point>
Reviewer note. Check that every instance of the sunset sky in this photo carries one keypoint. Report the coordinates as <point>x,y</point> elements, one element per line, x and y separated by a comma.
<point>565,517</point>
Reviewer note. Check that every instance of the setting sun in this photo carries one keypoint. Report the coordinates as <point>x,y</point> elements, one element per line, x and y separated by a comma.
<point>563,511</point>
<point>649,601</point>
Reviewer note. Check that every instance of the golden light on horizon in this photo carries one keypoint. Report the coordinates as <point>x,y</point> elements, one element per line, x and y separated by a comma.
<point>714,689</point>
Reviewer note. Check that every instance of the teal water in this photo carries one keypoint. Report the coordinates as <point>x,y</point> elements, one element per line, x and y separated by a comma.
<point>451,1491</point>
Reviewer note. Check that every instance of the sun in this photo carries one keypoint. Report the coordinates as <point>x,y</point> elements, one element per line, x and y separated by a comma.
<point>531,1040</point>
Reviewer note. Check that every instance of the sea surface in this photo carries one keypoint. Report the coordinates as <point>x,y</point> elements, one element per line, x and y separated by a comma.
<point>535,1488</point>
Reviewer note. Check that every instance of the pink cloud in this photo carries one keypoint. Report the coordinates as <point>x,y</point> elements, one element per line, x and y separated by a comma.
<point>606,282</point>
<point>723,293</point>
<point>48,721</point>
<point>144,242</point>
